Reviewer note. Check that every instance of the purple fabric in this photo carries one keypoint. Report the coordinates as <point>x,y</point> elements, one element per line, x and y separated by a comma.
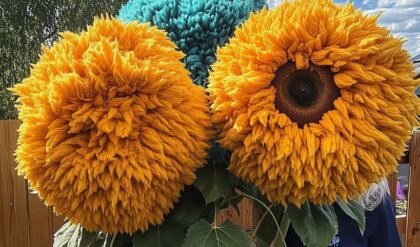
<point>400,191</point>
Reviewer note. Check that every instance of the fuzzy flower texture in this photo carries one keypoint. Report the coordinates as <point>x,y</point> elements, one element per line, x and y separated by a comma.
<point>112,126</point>
<point>354,144</point>
<point>197,27</point>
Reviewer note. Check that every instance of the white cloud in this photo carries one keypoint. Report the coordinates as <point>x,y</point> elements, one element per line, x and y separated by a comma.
<point>402,17</point>
<point>412,43</point>
<point>386,3</point>
<point>407,3</point>
<point>393,15</point>
<point>273,3</point>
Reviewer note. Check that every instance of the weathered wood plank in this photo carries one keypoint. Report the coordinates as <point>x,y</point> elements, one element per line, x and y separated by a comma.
<point>401,224</point>
<point>247,219</point>
<point>392,182</point>
<point>40,227</point>
<point>14,200</point>
<point>413,208</point>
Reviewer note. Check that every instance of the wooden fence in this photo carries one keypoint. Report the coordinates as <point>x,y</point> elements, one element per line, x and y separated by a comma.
<point>412,224</point>
<point>26,222</point>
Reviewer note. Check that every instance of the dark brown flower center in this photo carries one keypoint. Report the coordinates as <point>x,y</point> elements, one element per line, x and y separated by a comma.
<point>305,95</point>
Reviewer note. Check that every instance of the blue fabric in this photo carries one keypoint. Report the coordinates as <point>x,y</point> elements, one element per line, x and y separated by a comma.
<point>197,27</point>
<point>381,229</point>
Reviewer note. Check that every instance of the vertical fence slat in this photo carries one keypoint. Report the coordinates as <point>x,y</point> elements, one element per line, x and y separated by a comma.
<point>247,219</point>
<point>413,209</point>
<point>392,181</point>
<point>40,228</point>
<point>13,190</point>
<point>57,221</point>
<point>5,187</point>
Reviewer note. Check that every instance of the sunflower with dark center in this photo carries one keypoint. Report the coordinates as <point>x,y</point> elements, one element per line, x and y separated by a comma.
<point>315,101</point>
<point>112,126</point>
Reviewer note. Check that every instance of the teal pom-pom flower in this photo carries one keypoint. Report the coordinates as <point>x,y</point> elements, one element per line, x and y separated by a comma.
<point>197,27</point>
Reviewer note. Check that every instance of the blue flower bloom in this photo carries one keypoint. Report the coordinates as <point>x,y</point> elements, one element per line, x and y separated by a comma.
<point>197,27</point>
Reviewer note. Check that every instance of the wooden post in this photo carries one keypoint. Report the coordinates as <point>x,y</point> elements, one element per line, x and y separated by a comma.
<point>413,209</point>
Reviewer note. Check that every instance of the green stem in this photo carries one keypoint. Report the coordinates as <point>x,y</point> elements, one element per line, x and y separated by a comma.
<point>260,222</point>
<point>279,229</point>
<point>215,215</point>
<point>113,240</point>
<point>262,203</point>
<point>284,225</point>
<point>228,199</point>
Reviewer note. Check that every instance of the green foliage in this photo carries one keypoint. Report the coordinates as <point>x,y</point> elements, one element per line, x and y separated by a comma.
<point>66,236</point>
<point>191,223</point>
<point>26,25</point>
<point>70,235</point>
<point>315,224</point>
<point>213,182</point>
<point>206,235</point>
<point>92,239</point>
<point>355,211</point>
<point>189,209</point>
<point>266,230</point>
<point>166,235</point>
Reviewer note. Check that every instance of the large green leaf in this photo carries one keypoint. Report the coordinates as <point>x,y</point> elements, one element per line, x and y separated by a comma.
<point>166,235</point>
<point>355,211</point>
<point>213,182</point>
<point>315,224</point>
<point>260,243</point>
<point>267,229</point>
<point>88,238</point>
<point>205,235</point>
<point>123,240</point>
<point>189,208</point>
<point>67,235</point>
<point>74,239</point>
<point>208,213</point>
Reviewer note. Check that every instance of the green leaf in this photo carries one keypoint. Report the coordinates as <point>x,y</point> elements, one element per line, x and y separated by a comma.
<point>123,240</point>
<point>100,242</point>
<point>189,209</point>
<point>260,243</point>
<point>234,203</point>
<point>87,238</point>
<point>213,182</point>
<point>355,211</point>
<point>267,230</point>
<point>227,235</point>
<point>315,224</point>
<point>166,235</point>
<point>74,240</point>
<point>208,213</point>
<point>65,234</point>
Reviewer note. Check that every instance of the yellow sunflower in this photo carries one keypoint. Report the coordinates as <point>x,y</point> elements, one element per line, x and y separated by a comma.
<point>112,126</point>
<point>315,101</point>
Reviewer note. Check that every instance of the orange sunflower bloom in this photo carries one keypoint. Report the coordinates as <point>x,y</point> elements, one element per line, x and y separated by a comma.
<point>315,101</point>
<point>112,126</point>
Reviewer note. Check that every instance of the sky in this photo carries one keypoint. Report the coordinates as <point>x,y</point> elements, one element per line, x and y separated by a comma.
<point>401,16</point>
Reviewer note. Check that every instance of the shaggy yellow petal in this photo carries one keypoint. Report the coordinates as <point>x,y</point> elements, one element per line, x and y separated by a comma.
<point>113,126</point>
<point>356,143</point>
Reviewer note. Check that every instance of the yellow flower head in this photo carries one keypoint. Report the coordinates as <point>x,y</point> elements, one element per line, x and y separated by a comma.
<point>315,101</point>
<point>112,126</point>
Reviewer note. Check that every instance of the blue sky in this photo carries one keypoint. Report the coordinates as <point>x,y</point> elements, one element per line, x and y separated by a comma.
<point>401,16</point>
